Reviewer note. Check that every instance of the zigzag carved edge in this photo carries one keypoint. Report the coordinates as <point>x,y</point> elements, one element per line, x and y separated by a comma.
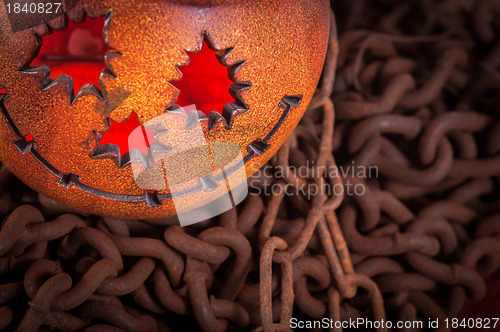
<point>151,198</point>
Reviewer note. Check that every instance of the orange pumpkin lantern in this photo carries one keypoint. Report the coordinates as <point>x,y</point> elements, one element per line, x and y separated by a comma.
<point>95,102</point>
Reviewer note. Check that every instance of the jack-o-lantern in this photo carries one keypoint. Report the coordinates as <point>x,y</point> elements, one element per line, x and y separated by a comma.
<point>190,94</point>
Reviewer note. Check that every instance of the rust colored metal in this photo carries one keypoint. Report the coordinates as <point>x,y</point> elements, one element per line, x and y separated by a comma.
<point>274,53</point>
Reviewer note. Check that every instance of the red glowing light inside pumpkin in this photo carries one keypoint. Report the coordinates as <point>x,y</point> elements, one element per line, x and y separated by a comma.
<point>119,134</point>
<point>205,82</point>
<point>28,138</point>
<point>77,51</point>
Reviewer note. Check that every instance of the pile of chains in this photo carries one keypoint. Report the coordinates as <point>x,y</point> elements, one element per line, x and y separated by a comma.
<point>411,235</point>
<point>417,98</point>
